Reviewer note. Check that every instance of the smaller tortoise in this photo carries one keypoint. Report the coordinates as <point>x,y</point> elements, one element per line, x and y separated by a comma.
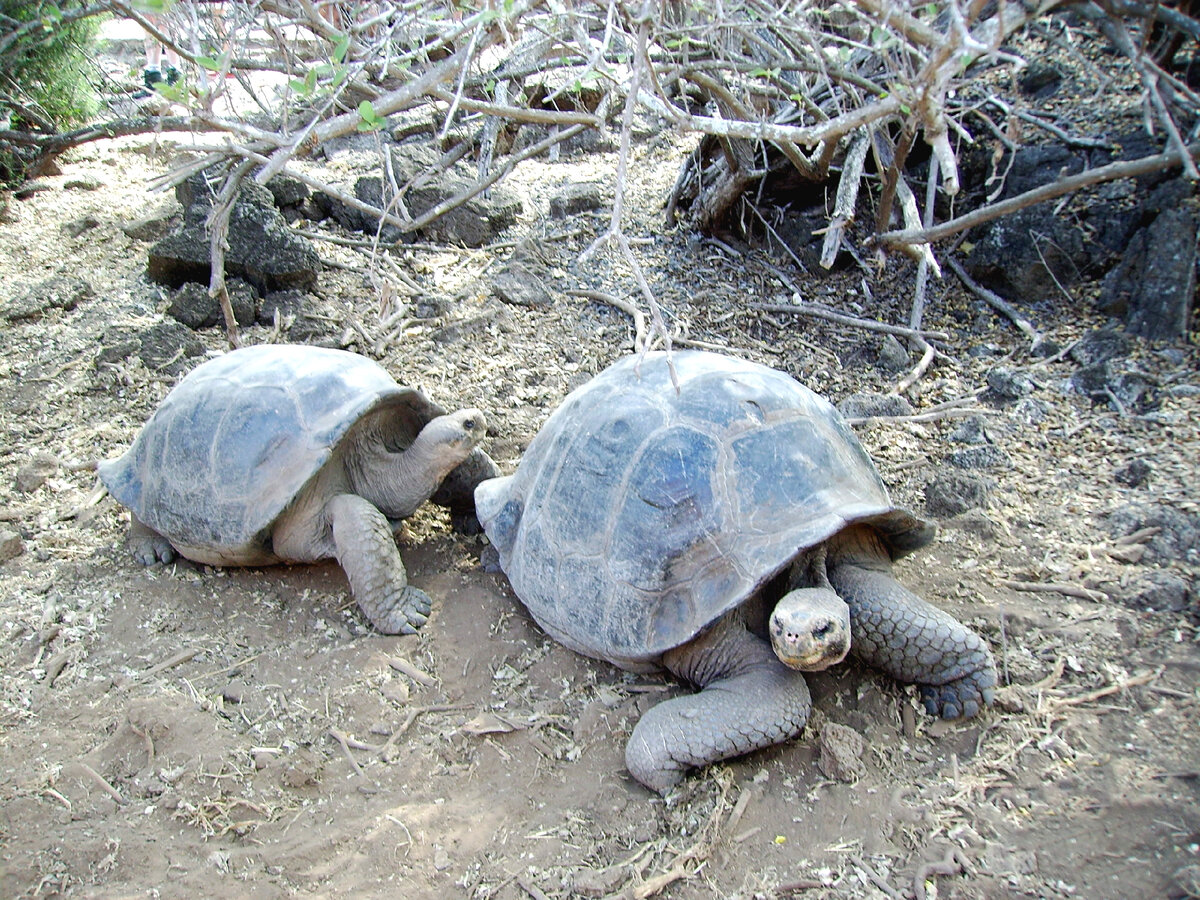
<point>644,524</point>
<point>290,453</point>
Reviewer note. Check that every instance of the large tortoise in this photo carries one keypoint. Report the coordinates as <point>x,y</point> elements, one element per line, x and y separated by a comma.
<point>290,453</point>
<point>643,523</point>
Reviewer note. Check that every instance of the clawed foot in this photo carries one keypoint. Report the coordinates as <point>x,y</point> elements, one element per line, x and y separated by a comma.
<point>149,548</point>
<point>408,613</point>
<point>961,698</point>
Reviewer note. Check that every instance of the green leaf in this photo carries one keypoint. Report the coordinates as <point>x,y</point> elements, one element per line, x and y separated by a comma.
<point>307,86</point>
<point>209,63</point>
<point>368,119</point>
<point>176,93</point>
<point>341,49</point>
<point>153,6</point>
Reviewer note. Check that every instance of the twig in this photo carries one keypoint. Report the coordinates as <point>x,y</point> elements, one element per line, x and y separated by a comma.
<point>927,354</point>
<point>995,301</point>
<point>1069,590</point>
<point>418,675</point>
<point>1101,693</point>
<point>802,884</point>
<point>639,319</point>
<point>230,668</point>
<point>344,740</point>
<point>875,878</point>
<point>1112,172</point>
<point>847,197</point>
<point>147,740</point>
<point>530,888</point>
<point>385,750</point>
<point>928,416</point>
<point>100,780</point>
<point>677,872</point>
<point>218,243</point>
<point>849,321</point>
<point>171,662</point>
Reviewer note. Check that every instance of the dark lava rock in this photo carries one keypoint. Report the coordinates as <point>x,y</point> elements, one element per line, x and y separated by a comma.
<point>972,430</point>
<point>294,320</point>
<point>576,198</point>
<point>1027,255</point>
<point>1039,80</point>
<point>982,457</point>
<point>287,304</point>
<point>1135,474</point>
<point>867,405</point>
<point>262,249</point>
<point>194,307</point>
<point>1030,410</point>
<point>951,493</point>
<point>472,223</point>
<point>1154,284</point>
<point>1178,538</point>
<point>1159,590</point>
<point>1125,391</point>
<point>1100,346</point>
<point>891,356</point>
<point>1009,384</point>
<point>148,228</point>
<point>58,292</point>
<point>165,347</point>
<point>520,281</point>
<point>36,472</point>
<point>288,191</point>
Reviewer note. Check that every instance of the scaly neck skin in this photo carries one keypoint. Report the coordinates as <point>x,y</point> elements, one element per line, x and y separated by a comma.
<point>398,483</point>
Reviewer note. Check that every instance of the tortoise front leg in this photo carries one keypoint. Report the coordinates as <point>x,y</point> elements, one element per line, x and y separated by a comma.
<point>914,641</point>
<point>749,700</point>
<point>366,549</point>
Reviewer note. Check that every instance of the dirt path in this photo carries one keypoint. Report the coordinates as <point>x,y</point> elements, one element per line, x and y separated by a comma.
<point>181,731</point>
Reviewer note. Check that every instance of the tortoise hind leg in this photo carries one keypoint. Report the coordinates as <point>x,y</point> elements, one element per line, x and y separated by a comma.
<point>366,549</point>
<point>146,545</point>
<point>748,700</point>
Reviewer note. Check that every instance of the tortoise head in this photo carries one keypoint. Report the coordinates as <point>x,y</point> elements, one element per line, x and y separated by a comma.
<point>455,435</point>
<point>810,629</point>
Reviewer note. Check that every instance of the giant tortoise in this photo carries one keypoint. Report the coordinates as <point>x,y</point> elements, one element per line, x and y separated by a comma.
<point>290,453</point>
<point>644,522</point>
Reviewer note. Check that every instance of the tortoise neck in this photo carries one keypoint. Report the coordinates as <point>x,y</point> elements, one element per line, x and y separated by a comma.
<point>396,482</point>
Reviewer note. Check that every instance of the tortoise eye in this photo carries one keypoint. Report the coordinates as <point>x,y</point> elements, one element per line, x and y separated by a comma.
<point>470,424</point>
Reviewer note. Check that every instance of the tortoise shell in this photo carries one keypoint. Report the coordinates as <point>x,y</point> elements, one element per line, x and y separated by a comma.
<point>237,440</point>
<point>640,513</point>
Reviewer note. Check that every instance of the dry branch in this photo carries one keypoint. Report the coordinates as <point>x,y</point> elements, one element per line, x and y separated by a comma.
<point>1159,162</point>
<point>784,87</point>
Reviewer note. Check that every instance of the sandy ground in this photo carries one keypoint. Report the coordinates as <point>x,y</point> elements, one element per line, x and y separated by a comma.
<point>184,730</point>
